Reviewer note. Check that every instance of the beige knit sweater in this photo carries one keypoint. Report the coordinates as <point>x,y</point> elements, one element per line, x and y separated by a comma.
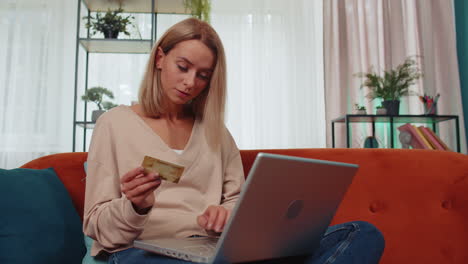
<point>120,141</point>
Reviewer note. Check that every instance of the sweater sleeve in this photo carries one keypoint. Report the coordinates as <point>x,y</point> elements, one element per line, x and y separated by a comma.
<point>109,217</point>
<point>233,172</point>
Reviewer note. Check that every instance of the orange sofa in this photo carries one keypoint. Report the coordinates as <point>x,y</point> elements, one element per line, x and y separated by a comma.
<point>417,198</point>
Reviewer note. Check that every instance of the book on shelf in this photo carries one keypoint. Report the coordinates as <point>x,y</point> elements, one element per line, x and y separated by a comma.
<point>417,140</point>
<point>435,139</point>
<point>430,138</point>
<point>423,138</point>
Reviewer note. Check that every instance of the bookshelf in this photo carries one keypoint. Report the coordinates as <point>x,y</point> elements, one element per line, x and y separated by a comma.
<point>89,44</point>
<point>392,121</point>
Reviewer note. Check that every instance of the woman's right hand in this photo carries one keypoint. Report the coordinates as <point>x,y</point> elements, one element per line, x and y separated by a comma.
<point>138,187</point>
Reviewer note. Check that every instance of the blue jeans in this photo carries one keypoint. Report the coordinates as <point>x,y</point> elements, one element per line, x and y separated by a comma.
<point>350,243</point>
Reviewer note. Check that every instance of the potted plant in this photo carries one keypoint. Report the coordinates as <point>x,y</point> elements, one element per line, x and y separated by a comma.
<point>380,110</point>
<point>392,84</point>
<point>95,95</point>
<point>199,8</point>
<point>111,24</point>
<point>360,109</point>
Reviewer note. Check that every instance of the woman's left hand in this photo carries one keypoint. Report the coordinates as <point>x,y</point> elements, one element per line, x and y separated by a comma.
<point>214,218</point>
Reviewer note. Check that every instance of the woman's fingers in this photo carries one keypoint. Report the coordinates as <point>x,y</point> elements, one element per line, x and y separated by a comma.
<point>139,186</point>
<point>228,214</point>
<point>204,218</point>
<point>143,189</point>
<point>138,180</point>
<point>214,218</point>
<point>218,225</point>
<point>132,174</point>
<point>213,213</point>
<point>140,199</point>
<point>202,221</point>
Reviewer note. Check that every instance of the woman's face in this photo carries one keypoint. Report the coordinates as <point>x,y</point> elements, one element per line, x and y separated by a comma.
<point>185,70</point>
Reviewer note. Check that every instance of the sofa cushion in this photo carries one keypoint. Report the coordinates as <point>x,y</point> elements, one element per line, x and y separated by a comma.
<point>88,259</point>
<point>38,223</point>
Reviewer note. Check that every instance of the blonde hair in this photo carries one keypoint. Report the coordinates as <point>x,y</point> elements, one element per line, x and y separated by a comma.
<point>210,103</point>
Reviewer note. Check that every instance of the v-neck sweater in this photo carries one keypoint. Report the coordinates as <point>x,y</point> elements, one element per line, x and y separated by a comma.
<point>119,143</point>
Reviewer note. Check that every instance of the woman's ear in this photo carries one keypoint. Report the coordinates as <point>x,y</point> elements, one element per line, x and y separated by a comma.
<point>159,58</point>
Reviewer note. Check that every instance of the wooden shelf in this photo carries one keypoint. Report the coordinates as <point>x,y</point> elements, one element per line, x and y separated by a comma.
<point>138,6</point>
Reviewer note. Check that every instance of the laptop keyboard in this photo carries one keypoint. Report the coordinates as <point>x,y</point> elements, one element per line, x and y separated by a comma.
<point>207,247</point>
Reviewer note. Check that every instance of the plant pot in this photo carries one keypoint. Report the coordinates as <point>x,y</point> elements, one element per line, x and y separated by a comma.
<point>361,112</point>
<point>392,106</point>
<point>96,114</point>
<point>371,142</point>
<point>381,111</point>
<point>113,34</point>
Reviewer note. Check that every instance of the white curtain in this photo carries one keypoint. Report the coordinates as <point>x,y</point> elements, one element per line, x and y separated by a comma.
<point>274,55</point>
<point>37,48</point>
<point>275,74</point>
<point>359,34</point>
<point>275,71</point>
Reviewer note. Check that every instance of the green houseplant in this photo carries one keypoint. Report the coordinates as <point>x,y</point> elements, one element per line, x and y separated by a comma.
<point>392,84</point>
<point>111,24</point>
<point>360,109</point>
<point>380,110</point>
<point>96,95</point>
<point>199,8</point>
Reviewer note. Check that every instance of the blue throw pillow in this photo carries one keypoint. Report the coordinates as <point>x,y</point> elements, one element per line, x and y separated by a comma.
<point>38,223</point>
<point>88,259</point>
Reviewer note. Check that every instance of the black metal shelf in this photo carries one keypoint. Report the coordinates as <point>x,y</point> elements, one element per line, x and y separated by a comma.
<point>391,120</point>
<point>114,46</point>
<point>428,119</point>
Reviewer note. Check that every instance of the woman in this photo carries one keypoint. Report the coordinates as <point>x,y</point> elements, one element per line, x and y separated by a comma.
<point>179,119</point>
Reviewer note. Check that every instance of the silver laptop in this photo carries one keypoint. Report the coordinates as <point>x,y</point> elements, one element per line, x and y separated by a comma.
<point>284,209</point>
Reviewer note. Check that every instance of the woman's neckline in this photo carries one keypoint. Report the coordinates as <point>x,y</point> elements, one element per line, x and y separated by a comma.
<point>148,127</point>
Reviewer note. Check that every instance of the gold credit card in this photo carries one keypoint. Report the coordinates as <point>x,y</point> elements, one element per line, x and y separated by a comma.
<point>167,171</point>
